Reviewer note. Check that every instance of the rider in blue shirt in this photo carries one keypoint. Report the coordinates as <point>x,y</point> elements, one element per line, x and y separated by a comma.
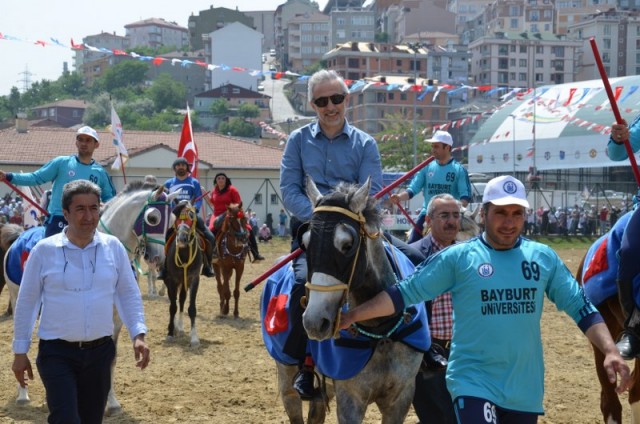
<point>190,190</point>
<point>64,169</point>
<point>443,175</point>
<point>629,266</point>
<point>498,283</point>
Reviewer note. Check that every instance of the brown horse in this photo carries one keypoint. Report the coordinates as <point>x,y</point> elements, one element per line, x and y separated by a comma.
<point>599,268</point>
<point>232,243</point>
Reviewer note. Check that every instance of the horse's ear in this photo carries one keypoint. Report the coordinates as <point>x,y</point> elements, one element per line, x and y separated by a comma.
<point>358,201</point>
<point>312,191</point>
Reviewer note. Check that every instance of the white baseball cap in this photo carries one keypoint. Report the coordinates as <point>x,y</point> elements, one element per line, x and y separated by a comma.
<point>86,130</point>
<point>441,137</point>
<point>505,190</point>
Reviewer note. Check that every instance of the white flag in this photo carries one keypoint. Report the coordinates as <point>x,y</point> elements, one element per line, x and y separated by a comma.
<point>117,136</point>
<point>31,215</point>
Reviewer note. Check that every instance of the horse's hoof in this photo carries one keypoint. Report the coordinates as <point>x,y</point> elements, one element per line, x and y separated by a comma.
<point>195,344</point>
<point>112,411</point>
<point>22,402</point>
<point>169,338</point>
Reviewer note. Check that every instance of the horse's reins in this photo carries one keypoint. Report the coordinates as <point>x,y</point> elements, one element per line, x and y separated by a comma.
<point>359,217</point>
<point>223,242</point>
<point>184,216</point>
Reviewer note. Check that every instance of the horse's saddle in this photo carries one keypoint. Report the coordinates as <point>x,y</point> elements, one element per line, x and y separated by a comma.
<point>346,356</point>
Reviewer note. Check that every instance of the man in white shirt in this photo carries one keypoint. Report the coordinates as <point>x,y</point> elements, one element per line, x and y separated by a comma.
<point>77,276</point>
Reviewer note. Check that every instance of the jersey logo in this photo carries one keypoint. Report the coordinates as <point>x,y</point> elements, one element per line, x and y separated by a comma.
<point>430,174</point>
<point>72,173</point>
<point>485,270</point>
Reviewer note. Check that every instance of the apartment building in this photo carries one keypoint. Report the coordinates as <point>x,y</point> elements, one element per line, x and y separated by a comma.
<point>156,32</point>
<point>307,39</point>
<point>210,20</point>
<point>351,24</point>
<point>104,40</point>
<point>283,14</point>
<point>523,59</point>
<point>618,36</point>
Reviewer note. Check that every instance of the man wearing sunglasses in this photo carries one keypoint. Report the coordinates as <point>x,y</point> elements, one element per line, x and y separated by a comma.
<point>329,151</point>
<point>64,169</point>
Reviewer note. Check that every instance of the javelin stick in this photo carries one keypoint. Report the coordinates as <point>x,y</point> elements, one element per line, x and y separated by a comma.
<point>614,107</point>
<point>411,221</point>
<point>25,197</point>
<point>298,251</point>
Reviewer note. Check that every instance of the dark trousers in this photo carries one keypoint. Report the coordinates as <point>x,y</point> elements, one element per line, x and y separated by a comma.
<point>431,400</point>
<point>296,344</point>
<point>76,381</point>
<point>54,225</point>
<point>629,266</point>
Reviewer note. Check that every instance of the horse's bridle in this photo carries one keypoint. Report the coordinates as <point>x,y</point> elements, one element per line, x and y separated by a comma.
<point>142,238</point>
<point>242,233</point>
<point>359,218</point>
<point>187,217</point>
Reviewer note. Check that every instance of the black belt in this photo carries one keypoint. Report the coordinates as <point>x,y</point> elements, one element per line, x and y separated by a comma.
<point>444,343</point>
<point>81,345</point>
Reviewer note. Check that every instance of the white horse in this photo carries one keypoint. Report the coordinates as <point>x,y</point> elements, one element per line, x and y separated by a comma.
<point>138,216</point>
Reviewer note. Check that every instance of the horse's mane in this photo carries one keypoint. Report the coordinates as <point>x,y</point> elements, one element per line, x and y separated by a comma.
<point>134,186</point>
<point>345,192</point>
<point>8,234</point>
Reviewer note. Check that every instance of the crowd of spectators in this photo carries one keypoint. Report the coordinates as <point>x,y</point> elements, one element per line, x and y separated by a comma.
<point>11,210</point>
<point>576,220</point>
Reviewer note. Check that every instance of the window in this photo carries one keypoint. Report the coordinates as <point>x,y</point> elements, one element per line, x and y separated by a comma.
<point>606,30</point>
<point>257,198</point>
<point>341,33</point>
<point>512,62</point>
<point>340,21</point>
<point>403,97</point>
<point>523,63</point>
<point>513,23</point>
<point>539,63</point>
<point>274,199</point>
<point>235,91</point>
<point>306,27</point>
<point>523,49</point>
<point>522,76</point>
<point>539,49</point>
<point>514,11</point>
<point>606,43</point>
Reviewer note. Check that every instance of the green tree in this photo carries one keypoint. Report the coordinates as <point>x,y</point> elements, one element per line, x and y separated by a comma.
<point>248,110</point>
<point>220,107</point>
<point>98,113</point>
<point>238,127</point>
<point>129,73</point>
<point>70,83</point>
<point>395,143</point>
<point>167,93</point>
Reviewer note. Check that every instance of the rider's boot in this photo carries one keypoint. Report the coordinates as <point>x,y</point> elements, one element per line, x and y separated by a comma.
<point>629,342</point>
<point>162,272</point>
<point>209,253</point>
<point>303,381</point>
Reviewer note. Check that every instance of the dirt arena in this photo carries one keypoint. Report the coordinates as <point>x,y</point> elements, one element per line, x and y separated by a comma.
<point>230,378</point>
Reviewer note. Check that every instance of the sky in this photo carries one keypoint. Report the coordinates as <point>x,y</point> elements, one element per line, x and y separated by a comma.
<point>33,20</point>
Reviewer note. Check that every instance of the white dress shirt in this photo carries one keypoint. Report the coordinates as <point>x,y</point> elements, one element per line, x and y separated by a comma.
<point>77,288</point>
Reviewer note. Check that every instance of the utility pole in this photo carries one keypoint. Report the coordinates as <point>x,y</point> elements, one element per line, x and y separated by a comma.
<point>26,78</point>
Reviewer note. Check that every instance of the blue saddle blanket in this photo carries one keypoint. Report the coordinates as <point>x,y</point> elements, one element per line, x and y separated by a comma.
<point>600,269</point>
<point>345,357</point>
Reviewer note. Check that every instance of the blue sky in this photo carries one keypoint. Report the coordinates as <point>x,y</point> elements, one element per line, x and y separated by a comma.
<point>31,20</point>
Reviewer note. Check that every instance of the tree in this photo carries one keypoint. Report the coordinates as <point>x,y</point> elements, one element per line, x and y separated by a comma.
<point>220,107</point>
<point>248,110</point>
<point>395,143</point>
<point>167,93</point>
<point>98,113</point>
<point>238,127</point>
<point>129,73</point>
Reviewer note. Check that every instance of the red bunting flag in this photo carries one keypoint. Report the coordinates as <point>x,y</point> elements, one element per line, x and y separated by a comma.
<point>188,148</point>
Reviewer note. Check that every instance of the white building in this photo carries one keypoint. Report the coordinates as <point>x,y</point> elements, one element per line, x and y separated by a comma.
<point>235,46</point>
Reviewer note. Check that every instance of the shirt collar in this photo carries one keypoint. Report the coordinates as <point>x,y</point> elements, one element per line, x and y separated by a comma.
<point>316,130</point>
<point>64,240</point>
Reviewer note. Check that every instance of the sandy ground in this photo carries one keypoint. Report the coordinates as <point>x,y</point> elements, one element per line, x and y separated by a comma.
<point>231,379</point>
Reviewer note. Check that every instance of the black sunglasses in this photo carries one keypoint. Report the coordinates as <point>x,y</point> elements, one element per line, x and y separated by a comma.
<point>336,99</point>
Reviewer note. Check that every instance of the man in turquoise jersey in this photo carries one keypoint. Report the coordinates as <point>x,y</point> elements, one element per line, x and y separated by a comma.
<point>498,283</point>
<point>64,169</point>
<point>443,175</point>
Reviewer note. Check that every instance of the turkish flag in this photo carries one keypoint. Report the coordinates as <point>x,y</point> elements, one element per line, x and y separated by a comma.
<point>188,148</point>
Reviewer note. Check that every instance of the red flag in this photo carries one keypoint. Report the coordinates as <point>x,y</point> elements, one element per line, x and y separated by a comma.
<point>188,148</point>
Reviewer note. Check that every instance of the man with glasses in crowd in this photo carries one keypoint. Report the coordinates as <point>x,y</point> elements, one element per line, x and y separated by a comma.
<point>64,169</point>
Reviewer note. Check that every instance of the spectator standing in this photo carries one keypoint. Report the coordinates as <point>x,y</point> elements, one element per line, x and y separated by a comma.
<point>282,223</point>
<point>77,276</point>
